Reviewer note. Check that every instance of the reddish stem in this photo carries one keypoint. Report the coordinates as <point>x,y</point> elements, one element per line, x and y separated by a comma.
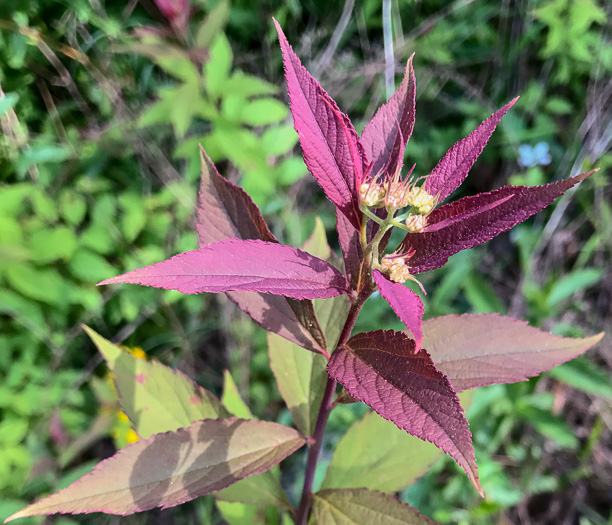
<point>323,416</point>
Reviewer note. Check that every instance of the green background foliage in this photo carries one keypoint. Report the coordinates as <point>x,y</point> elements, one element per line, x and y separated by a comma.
<point>102,108</point>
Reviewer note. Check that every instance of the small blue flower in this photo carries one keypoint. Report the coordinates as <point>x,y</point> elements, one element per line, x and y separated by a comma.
<point>534,156</point>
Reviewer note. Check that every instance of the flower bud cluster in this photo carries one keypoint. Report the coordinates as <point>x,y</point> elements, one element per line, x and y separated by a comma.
<point>396,266</point>
<point>396,194</point>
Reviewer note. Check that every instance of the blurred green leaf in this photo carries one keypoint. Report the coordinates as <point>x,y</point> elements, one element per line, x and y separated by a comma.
<point>214,22</point>
<point>7,101</point>
<point>90,267</point>
<point>585,375</point>
<point>41,284</point>
<point>72,206</point>
<point>572,283</point>
<point>218,67</point>
<point>264,111</point>
<point>278,140</point>
<point>52,244</point>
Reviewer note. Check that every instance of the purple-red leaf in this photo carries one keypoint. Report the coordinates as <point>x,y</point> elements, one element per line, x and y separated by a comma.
<point>381,369</point>
<point>171,468</point>
<point>250,265</point>
<point>332,150</point>
<point>406,304</point>
<point>504,207</point>
<point>486,349</point>
<point>454,166</point>
<point>225,211</point>
<point>352,252</point>
<point>384,138</point>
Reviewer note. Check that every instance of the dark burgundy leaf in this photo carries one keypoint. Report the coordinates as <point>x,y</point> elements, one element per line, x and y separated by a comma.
<point>381,369</point>
<point>406,304</point>
<point>454,166</point>
<point>433,248</point>
<point>332,150</point>
<point>249,265</point>
<point>226,210</point>
<point>384,138</point>
<point>350,245</point>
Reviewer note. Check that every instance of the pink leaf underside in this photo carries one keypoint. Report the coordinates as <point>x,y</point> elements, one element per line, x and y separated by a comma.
<point>350,245</point>
<point>406,304</point>
<point>250,265</point>
<point>454,166</point>
<point>484,349</point>
<point>329,142</point>
<point>174,467</point>
<point>226,211</point>
<point>381,369</point>
<point>504,207</point>
<point>384,138</point>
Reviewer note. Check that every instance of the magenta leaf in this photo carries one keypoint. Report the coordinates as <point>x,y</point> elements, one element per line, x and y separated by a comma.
<point>454,166</point>
<point>381,369</point>
<point>332,150</point>
<point>384,138</point>
<point>174,467</point>
<point>486,349</point>
<point>504,207</point>
<point>250,265</point>
<point>406,304</point>
<point>225,211</point>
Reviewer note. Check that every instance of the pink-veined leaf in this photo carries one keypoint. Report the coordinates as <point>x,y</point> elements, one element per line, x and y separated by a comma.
<point>174,467</point>
<point>454,166</point>
<point>406,304</point>
<point>433,248</point>
<point>486,349</point>
<point>332,150</point>
<point>250,265</point>
<point>363,507</point>
<point>384,138</point>
<point>225,211</point>
<point>381,369</point>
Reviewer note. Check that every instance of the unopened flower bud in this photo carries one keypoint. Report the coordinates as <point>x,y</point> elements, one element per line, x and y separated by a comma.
<point>396,267</point>
<point>372,194</point>
<point>421,200</point>
<point>416,223</point>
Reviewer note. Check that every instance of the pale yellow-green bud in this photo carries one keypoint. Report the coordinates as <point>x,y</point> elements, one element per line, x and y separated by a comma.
<point>422,201</point>
<point>372,194</point>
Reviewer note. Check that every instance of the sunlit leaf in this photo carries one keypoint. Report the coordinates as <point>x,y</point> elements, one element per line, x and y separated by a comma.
<point>171,468</point>
<point>363,507</point>
<point>485,349</point>
<point>155,397</point>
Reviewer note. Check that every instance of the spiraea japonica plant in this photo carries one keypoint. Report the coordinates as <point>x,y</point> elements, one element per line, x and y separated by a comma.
<point>191,444</point>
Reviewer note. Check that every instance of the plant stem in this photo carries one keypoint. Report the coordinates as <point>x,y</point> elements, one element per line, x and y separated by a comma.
<point>313,452</point>
<point>324,411</point>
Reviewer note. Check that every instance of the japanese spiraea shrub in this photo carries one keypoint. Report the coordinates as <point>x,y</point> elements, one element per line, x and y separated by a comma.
<point>192,444</point>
